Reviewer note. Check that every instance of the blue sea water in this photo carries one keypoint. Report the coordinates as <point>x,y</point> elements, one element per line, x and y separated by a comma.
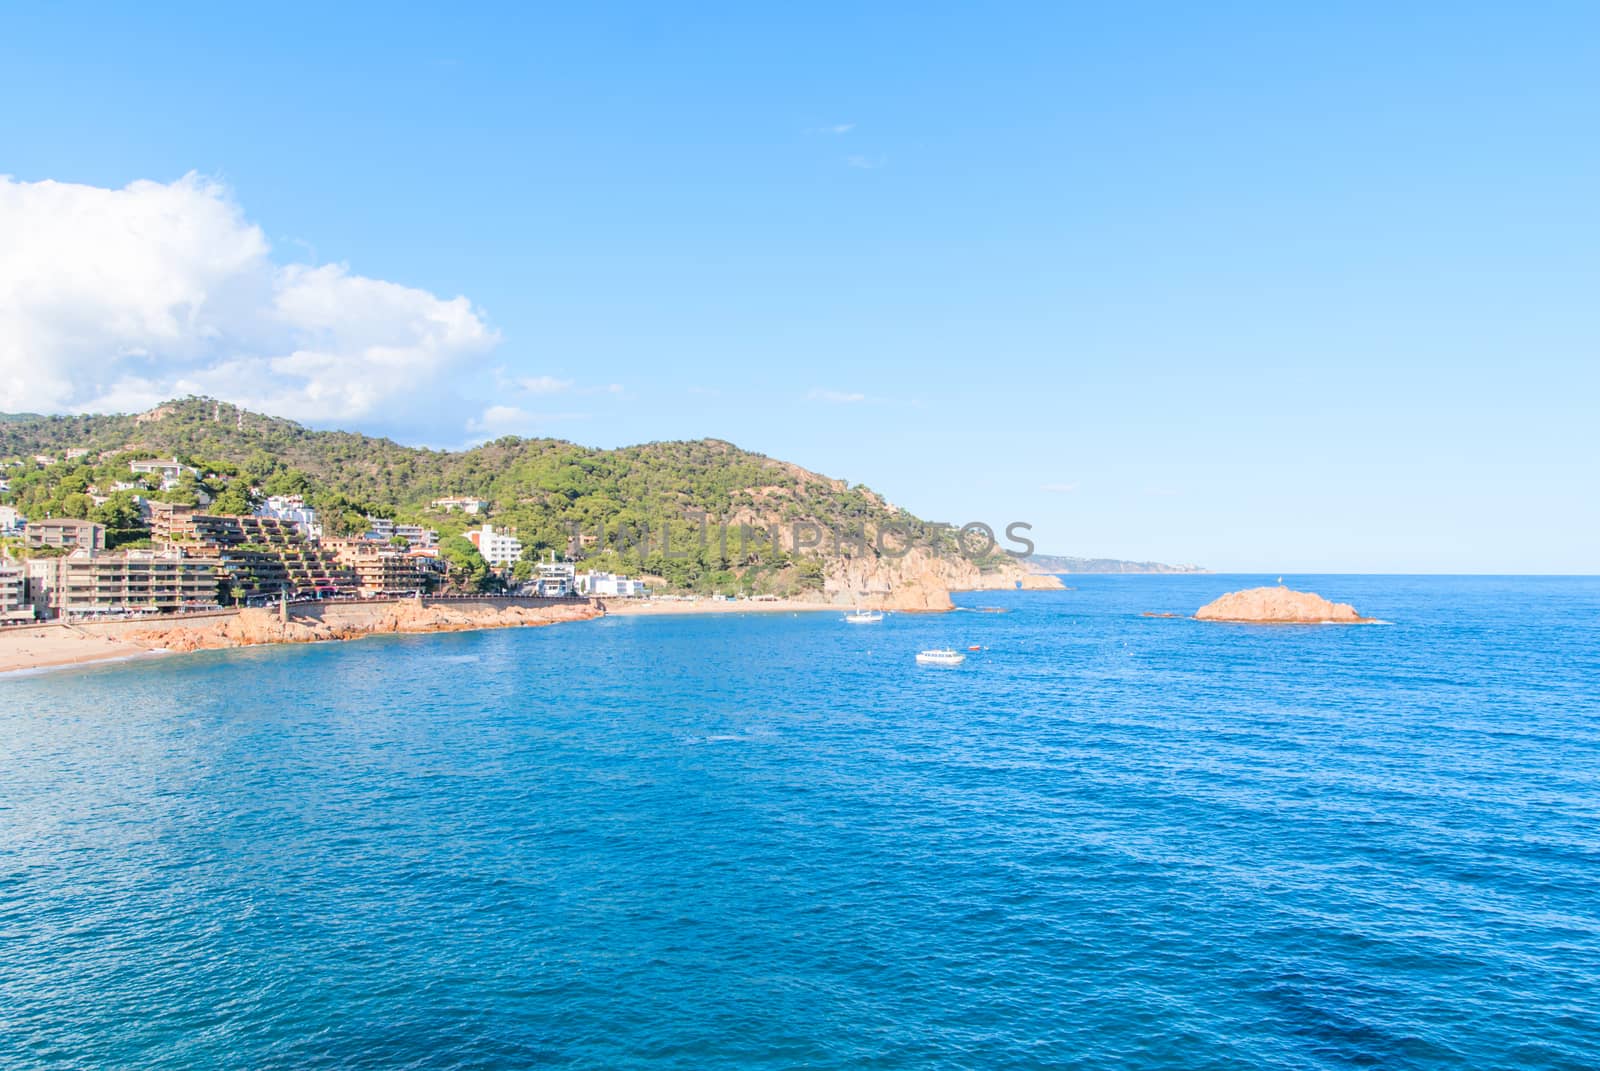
<point>1106,841</point>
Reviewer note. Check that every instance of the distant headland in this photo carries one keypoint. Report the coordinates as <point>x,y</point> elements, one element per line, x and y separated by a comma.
<point>1058,563</point>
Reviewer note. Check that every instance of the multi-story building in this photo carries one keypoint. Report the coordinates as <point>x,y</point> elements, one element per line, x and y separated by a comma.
<point>14,607</point>
<point>169,523</point>
<point>381,568</point>
<point>87,583</point>
<point>556,580</point>
<point>610,584</point>
<point>414,534</point>
<point>10,520</point>
<point>497,548</point>
<point>66,534</point>
<point>255,555</point>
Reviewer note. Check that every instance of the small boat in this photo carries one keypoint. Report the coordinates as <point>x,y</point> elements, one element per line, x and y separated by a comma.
<point>864,617</point>
<point>940,656</point>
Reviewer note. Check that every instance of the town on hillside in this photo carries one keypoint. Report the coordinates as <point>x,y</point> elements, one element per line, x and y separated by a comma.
<point>153,540</point>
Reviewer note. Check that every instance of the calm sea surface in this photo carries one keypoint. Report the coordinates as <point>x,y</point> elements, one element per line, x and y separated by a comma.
<point>1107,841</point>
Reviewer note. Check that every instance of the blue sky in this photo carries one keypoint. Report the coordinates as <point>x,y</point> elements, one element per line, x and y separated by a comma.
<point>1259,288</point>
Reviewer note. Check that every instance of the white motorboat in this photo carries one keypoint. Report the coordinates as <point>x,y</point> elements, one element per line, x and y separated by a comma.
<point>940,656</point>
<point>864,617</point>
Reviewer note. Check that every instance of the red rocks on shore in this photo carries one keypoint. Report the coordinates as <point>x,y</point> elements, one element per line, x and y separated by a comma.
<point>249,628</point>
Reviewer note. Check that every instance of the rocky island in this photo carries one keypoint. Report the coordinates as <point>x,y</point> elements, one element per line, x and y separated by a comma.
<point>1279,606</point>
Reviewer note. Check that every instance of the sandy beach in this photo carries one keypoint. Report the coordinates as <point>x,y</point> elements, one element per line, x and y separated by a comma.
<point>48,647</point>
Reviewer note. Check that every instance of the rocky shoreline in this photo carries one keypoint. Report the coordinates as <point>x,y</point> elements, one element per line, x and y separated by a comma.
<point>250,628</point>
<point>52,646</point>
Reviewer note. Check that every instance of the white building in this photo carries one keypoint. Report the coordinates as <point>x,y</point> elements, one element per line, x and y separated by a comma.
<point>612,585</point>
<point>556,580</point>
<point>497,548</point>
<point>10,520</point>
<point>168,468</point>
<point>473,506</point>
<point>292,508</point>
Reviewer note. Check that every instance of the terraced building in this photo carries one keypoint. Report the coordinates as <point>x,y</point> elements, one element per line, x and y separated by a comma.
<point>255,556</point>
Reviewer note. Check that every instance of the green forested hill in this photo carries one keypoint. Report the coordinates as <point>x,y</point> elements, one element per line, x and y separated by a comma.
<point>542,487</point>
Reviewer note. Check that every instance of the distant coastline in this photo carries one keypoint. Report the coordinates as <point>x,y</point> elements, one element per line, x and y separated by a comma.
<point>1060,563</point>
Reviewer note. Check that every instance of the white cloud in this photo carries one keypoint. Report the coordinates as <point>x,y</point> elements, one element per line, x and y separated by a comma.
<point>114,299</point>
<point>497,420</point>
<point>838,397</point>
<point>836,128</point>
<point>1059,488</point>
<point>500,418</point>
<point>544,385</point>
<point>867,163</point>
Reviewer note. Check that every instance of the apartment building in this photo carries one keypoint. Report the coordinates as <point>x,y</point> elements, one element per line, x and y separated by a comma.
<point>66,534</point>
<point>14,606</point>
<point>380,568</point>
<point>497,548</point>
<point>86,583</point>
<point>414,534</point>
<point>256,555</point>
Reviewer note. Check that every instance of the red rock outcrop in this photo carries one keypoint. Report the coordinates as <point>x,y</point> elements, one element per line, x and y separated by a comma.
<point>1279,606</point>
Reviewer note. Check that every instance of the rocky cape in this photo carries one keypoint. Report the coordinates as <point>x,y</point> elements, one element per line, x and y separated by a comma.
<point>921,581</point>
<point>1279,606</point>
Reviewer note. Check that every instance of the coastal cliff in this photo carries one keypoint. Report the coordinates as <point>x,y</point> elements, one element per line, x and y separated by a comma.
<point>1279,606</point>
<point>922,581</point>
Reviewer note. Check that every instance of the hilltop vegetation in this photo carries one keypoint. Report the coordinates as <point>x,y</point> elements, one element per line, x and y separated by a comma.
<point>545,488</point>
